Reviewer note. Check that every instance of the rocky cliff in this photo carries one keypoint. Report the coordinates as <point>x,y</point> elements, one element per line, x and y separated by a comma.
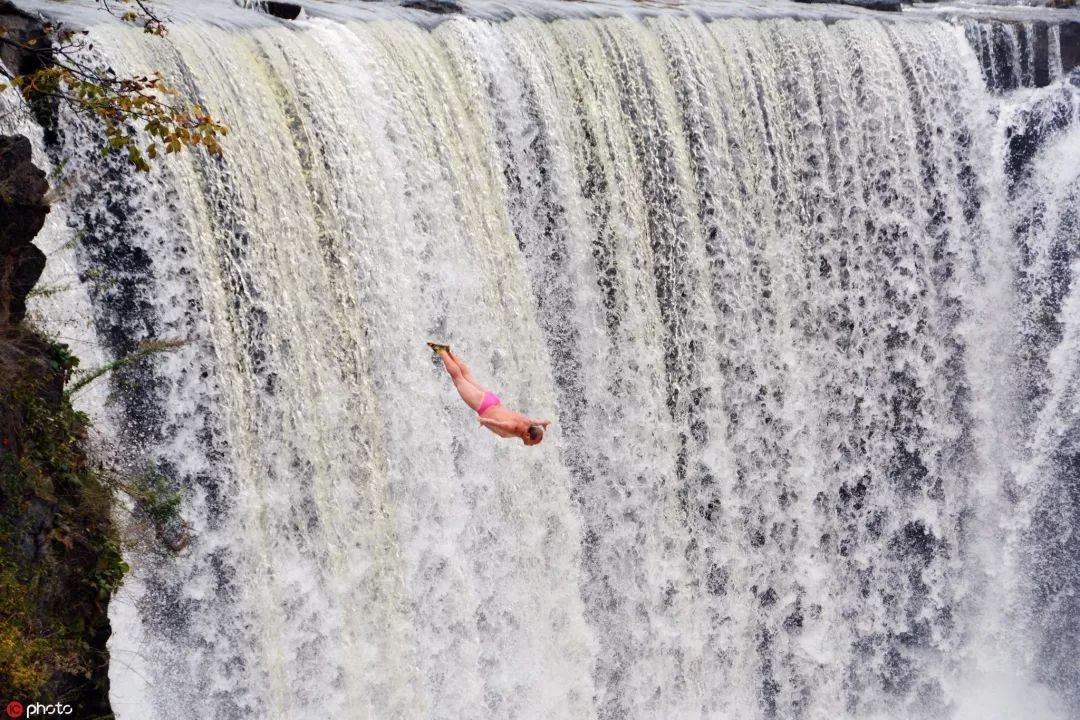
<point>59,551</point>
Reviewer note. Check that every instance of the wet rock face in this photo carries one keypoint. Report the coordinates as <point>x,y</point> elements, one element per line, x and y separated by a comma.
<point>1070,46</point>
<point>22,213</point>
<point>19,27</point>
<point>1014,54</point>
<point>886,5</point>
<point>439,7</point>
<point>22,193</point>
<point>283,10</point>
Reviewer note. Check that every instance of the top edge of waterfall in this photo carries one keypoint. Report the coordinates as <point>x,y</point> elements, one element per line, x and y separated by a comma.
<point>87,13</point>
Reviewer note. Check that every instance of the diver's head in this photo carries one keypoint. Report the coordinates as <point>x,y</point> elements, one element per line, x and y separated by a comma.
<point>533,435</point>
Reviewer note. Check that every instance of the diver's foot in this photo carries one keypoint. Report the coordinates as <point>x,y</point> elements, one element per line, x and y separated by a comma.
<point>436,347</point>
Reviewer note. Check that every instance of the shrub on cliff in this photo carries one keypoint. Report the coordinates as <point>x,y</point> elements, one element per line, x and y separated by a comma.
<point>60,558</point>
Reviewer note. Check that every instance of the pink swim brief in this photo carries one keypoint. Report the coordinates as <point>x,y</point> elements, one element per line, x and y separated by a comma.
<point>490,400</point>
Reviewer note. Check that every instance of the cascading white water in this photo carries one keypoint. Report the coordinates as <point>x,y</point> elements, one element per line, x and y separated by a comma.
<point>809,349</point>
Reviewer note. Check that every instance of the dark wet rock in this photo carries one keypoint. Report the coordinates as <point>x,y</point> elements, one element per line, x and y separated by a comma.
<point>22,193</point>
<point>20,26</point>
<point>22,213</point>
<point>439,7</point>
<point>1040,49</point>
<point>283,10</point>
<point>20,272</point>
<point>1015,53</point>
<point>39,517</point>
<point>1032,128</point>
<point>1070,46</point>
<point>885,5</point>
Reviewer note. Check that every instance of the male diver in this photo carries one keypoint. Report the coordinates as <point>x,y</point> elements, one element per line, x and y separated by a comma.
<point>495,416</point>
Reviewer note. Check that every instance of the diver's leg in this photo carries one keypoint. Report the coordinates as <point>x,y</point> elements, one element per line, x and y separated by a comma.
<point>465,372</point>
<point>470,393</point>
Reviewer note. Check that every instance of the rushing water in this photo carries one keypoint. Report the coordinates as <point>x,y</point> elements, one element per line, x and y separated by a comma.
<point>798,296</point>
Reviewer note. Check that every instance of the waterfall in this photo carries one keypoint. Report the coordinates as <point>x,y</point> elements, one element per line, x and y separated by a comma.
<point>798,293</point>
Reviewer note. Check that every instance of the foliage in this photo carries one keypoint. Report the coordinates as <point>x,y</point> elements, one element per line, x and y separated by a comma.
<point>60,358</point>
<point>159,501</point>
<point>24,655</point>
<point>46,291</point>
<point>141,116</point>
<point>149,347</point>
<point>60,558</point>
<point>31,649</point>
<point>61,554</point>
<point>155,523</point>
